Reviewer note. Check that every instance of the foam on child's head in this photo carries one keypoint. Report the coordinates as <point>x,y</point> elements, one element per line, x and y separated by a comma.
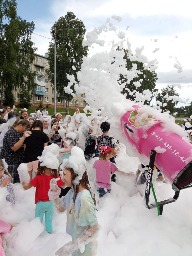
<point>77,162</point>
<point>49,157</point>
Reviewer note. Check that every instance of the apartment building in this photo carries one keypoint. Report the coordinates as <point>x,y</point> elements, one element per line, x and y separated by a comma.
<point>44,92</point>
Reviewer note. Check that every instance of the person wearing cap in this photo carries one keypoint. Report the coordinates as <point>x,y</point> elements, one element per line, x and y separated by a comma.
<point>79,204</point>
<point>104,168</point>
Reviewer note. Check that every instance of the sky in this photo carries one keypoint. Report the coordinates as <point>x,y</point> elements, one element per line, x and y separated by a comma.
<point>163,28</point>
<point>127,227</point>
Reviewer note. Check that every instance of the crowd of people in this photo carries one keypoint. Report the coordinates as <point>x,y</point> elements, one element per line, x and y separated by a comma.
<point>55,152</point>
<point>25,141</point>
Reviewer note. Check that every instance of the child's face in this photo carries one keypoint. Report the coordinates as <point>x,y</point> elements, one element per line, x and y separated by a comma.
<point>47,171</point>
<point>67,178</point>
<point>67,143</point>
<point>55,126</point>
<point>31,121</point>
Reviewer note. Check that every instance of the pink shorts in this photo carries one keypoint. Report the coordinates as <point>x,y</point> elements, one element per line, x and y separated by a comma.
<point>33,166</point>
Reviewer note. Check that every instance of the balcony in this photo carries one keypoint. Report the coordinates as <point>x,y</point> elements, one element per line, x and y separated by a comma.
<point>40,90</point>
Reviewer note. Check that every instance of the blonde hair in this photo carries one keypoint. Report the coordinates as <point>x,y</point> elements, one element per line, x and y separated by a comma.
<point>23,122</point>
<point>109,155</point>
<point>5,171</point>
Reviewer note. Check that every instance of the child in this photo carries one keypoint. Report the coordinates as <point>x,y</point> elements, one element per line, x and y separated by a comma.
<point>105,140</point>
<point>4,228</point>
<point>90,144</point>
<point>5,181</point>
<point>104,168</point>
<point>55,137</point>
<point>81,211</point>
<point>47,170</point>
<point>67,145</point>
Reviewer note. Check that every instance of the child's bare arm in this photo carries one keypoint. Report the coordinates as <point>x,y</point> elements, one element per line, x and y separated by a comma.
<point>58,205</point>
<point>26,185</point>
<point>5,182</point>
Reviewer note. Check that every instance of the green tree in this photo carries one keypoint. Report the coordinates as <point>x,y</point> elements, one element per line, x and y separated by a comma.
<point>167,99</point>
<point>145,77</point>
<point>68,34</point>
<point>16,52</point>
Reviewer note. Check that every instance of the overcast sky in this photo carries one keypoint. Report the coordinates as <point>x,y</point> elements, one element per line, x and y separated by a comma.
<point>163,27</point>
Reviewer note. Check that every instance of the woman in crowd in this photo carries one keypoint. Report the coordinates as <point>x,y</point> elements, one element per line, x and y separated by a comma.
<point>13,146</point>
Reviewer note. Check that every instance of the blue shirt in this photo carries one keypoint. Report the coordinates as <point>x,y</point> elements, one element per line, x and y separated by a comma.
<point>80,215</point>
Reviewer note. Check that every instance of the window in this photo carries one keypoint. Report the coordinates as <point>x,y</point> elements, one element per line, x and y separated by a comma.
<point>46,99</point>
<point>39,69</point>
<point>39,97</point>
<point>47,90</point>
<point>41,88</point>
<point>59,100</point>
<point>38,88</point>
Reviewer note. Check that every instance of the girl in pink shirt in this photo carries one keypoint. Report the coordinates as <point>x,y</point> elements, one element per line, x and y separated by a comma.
<point>104,168</point>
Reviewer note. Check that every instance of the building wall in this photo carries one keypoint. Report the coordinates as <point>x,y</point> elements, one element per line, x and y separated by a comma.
<point>44,92</point>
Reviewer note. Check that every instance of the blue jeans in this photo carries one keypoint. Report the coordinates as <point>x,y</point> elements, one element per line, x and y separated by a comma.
<point>45,208</point>
<point>103,191</point>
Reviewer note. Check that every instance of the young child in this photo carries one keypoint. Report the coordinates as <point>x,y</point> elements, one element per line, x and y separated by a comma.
<point>106,140</point>
<point>90,144</point>
<point>5,181</point>
<point>104,168</point>
<point>55,137</point>
<point>81,211</point>
<point>68,143</point>
<point>47,170</point>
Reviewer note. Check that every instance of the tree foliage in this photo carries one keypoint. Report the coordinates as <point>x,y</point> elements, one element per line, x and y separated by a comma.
<point>184,111</point>
<point>145,78</point>
<point>16,52</point>
<point>68,34</point>
<point>167,99</point>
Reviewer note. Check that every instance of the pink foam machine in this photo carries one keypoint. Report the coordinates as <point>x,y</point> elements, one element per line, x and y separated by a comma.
<point>166,150</point>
